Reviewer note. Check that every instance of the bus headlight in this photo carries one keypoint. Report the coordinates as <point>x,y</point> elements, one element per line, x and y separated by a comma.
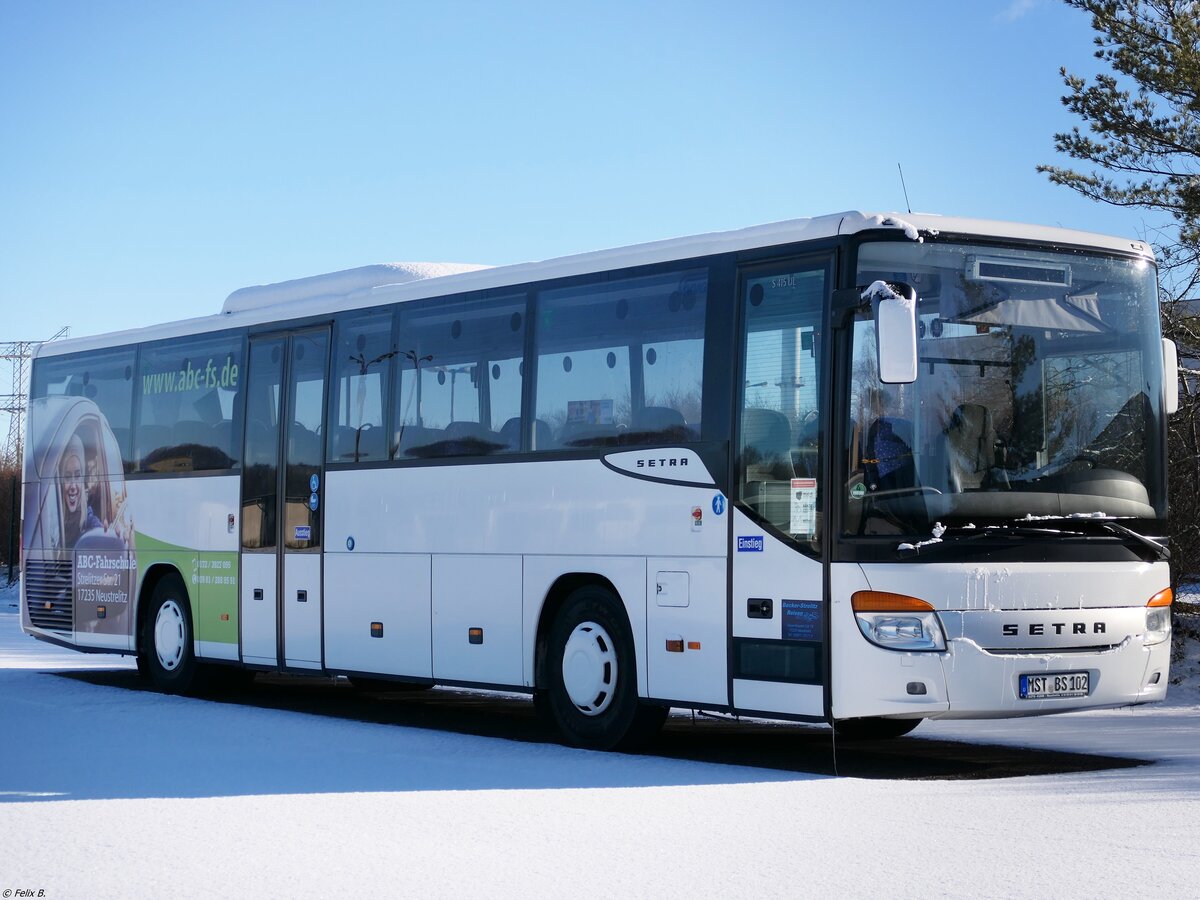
<point>1158,618</point>
<point>897,622</point>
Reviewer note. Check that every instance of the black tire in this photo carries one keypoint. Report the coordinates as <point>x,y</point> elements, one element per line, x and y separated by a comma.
<point>590,673</point>
<point>874,729</point>
<point>165,645</point>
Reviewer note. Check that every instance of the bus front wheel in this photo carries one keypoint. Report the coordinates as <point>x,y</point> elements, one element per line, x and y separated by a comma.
<point>590,694</point>
<point>165,648</point>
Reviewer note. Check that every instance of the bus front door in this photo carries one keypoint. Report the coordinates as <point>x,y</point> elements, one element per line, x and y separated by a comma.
<point>779,603</point>
<point>282,493</point>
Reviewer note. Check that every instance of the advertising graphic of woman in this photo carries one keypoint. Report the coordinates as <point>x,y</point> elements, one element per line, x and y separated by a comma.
<point>78,516</point>
<point>79,533</point>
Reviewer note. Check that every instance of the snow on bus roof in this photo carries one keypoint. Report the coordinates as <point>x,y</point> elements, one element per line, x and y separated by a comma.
<point>352,281</point>
<point>394,282</point>
<point>341,285</point>
<point>337,284</point>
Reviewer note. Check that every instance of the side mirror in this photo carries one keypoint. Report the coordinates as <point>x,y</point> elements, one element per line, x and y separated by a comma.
<point>894,305</point>
<point>1170,376</point>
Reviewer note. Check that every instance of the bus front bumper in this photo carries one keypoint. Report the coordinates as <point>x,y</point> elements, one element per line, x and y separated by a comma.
<point>983,684</point>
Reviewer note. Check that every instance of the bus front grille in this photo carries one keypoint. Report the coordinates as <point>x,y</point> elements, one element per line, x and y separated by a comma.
<point>48,594</point>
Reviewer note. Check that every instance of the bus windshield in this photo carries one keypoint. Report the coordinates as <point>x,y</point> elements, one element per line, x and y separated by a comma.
<point>1038,392</point>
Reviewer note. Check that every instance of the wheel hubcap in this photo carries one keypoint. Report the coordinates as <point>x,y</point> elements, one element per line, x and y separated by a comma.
<point>170,632</point>
<point>589,668</point>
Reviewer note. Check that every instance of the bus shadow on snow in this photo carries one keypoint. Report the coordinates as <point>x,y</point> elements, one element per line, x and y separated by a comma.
<point>779,747</point>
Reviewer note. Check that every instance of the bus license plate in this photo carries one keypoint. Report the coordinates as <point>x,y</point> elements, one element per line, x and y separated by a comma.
<point>1056,684</point>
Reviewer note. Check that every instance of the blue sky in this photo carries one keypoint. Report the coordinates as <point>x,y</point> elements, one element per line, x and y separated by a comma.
<point>156,156</point>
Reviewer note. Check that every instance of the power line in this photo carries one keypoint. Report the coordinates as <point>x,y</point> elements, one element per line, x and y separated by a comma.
<point>18,354</point>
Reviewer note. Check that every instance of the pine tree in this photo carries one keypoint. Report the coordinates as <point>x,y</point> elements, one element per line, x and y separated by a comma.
<point>1143,122</point>
<point>1143,146</point>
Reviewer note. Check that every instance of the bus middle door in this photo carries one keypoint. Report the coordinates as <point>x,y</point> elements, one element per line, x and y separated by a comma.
<point>281,596</point>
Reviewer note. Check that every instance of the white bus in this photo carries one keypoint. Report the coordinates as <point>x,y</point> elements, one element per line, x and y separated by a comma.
<point>856,469</point>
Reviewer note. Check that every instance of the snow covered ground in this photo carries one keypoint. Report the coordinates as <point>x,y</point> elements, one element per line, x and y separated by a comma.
<point>108,792</point>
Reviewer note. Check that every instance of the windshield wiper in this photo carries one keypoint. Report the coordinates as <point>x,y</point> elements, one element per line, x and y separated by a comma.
<point>1053,527</point>
<point>960,535</point>
<point>1153,549</point>
<point>1157,550</point>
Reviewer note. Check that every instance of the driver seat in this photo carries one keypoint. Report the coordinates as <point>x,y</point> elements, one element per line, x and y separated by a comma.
<point>970,447</point>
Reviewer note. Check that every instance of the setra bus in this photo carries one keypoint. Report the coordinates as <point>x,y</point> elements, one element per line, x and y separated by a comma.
<point>859,469</point>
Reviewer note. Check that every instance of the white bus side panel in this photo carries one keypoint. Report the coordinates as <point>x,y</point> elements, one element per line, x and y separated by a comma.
<point>564,507</point>
<point>779,697</point>
<point>776,572</point>
<point>393,590</point>
<point>188,512</point>
<point>302,610</point>
<point>557,517</point>
<point>686,609</point>
<point>259,613</point>
<point>764,574</point>
<point>484,593</point>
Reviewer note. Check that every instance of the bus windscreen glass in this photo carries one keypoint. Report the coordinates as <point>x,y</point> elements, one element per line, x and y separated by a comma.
<point>1038,393</point>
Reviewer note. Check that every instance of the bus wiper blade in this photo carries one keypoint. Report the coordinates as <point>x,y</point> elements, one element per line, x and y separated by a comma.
<point>1158,550</point>
<point>961,535</point>
<point>1079,523</point>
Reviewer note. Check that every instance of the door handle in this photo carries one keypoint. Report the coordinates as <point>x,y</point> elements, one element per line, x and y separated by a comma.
<point>759,608</point>
<point>258,593</point>
<point>302,596</point>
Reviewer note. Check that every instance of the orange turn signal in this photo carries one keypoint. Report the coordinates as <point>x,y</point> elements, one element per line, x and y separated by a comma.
<point>882,601</point>
<point>1162,598</point>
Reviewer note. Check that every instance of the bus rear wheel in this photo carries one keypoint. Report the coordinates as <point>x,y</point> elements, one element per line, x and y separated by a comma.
<point>165,645</point>
<point>590,692</point>
<point>873,728</point>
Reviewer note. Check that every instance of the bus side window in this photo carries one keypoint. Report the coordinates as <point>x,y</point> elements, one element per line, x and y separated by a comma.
<point>459,376</point>
<point>105,377</point>
<point>359,397</point>
<point>188,395</point>
<point>779,443</point>
<point>620,362</point>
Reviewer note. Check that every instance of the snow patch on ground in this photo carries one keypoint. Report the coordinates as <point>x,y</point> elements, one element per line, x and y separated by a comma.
<point>106,792</point>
